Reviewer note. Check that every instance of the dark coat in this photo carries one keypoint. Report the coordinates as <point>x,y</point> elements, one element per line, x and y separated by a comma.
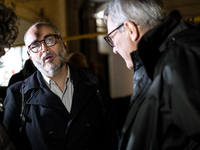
<point>5,143</point>
<point>168,113</point>
<point>28,70</point>
<point>52,127</point>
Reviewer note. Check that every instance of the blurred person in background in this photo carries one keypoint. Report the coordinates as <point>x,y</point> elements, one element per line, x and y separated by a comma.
<point>27,70</point>
<point>78,60</point>
<point>164,53</point>
<point>8,34</point>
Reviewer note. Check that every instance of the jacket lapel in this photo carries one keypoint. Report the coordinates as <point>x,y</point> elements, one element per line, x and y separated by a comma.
<point>46,98</point>
<point>82,93</point>
<point>41,94</point>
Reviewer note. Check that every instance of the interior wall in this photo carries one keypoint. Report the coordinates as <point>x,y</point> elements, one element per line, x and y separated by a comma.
<point>30,11</point>
<point>120,77</point>
<point>73,23</point>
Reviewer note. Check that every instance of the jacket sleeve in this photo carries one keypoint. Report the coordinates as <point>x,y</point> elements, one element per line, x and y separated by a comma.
<point>182,77</point>
<point>12,105</point>
<point>110,140</point>
<point>5,143</point>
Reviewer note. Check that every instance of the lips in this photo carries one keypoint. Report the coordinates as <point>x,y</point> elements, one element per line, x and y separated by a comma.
<point>48,57</point>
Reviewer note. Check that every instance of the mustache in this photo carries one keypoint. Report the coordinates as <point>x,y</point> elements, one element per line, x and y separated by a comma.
<point>46,54</point>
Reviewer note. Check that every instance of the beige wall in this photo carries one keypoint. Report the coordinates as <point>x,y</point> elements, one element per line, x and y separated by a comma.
<point>30,11</point>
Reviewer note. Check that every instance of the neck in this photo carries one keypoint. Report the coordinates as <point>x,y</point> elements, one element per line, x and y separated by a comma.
<point>60,77</point>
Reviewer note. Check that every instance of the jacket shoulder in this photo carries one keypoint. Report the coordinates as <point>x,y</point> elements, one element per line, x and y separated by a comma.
<point>89,76</point>
<point>188,35</point>
<point>16,86</point>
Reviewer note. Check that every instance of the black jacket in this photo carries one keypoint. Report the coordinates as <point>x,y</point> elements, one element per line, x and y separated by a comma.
<point>28,70</point>
<point>52,127</point>
<point>168,98</point>
<point>5,143</point>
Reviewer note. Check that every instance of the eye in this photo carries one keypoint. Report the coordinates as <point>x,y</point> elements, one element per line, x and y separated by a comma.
<point>50,40</point>
<point>35,45</point>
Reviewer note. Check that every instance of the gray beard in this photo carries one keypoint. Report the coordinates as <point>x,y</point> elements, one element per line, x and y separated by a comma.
<point>49,68</point>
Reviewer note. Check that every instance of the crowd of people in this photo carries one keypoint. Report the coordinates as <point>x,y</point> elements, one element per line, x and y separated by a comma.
<point>61,104</point>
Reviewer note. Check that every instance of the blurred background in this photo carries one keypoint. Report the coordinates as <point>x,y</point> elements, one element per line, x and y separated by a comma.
<point>81,24</point>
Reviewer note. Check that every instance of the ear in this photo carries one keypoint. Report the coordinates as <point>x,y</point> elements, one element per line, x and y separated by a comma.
<point>65,44</point>
<point>132,30</point>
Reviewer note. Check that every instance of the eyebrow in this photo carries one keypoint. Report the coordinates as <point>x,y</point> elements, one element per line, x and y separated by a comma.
<point>50,34</point>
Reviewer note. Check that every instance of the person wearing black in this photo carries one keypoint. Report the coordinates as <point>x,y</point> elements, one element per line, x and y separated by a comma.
<point>68,108</point>
<point>27,70</point>
<point>164,53</point>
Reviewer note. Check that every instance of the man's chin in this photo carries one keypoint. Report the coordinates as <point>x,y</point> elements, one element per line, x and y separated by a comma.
<point>129,66</point>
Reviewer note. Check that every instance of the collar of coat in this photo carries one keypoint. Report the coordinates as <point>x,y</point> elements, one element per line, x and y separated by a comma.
<point>42,95</point>
<point>155,41</point>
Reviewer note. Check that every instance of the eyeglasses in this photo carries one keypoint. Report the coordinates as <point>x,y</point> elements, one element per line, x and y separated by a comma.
<point>49,41</point>
<point>109,39</point>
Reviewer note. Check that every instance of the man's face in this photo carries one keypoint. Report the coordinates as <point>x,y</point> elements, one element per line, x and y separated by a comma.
<point>123,44</point>
<point>49,60</point>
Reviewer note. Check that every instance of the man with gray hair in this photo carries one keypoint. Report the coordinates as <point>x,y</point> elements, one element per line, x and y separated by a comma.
<point>164,109</point>
<point>59,106</point>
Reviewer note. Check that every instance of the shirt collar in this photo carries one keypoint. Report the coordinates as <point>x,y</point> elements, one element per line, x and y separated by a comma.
<point>49,81</point>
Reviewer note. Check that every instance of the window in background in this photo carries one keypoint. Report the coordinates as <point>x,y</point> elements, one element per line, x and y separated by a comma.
<point>13,62</point>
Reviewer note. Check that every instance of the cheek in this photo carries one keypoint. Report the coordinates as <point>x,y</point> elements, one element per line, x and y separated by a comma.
<point>35,56</point>
<point>121,43</point>
<point>125,47</point>
<point>128,44</point>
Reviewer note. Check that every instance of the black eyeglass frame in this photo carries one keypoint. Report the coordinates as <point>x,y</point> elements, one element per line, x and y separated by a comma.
<point>55,35</point>
<point>108,39</point>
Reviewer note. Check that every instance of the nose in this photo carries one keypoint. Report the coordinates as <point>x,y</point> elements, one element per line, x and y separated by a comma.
<point>115,50</point>
<point>44,47</point>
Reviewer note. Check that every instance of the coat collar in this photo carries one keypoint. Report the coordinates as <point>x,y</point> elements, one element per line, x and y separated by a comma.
<point>154,42</point>
<point>83,90</point>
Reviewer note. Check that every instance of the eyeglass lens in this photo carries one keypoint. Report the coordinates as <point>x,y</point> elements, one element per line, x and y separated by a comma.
<point>48,41</point>
<point>109,41</point>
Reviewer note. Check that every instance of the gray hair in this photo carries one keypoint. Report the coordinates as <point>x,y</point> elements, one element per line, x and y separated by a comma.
<point>44,23</point>
<point>145,13</point>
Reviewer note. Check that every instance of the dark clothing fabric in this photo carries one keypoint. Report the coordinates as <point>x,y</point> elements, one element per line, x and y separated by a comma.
<point>16,77</point>
<point>5,143</point>
<point>52,127</point>
<point>28,70</point>
<point>165,110</point>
